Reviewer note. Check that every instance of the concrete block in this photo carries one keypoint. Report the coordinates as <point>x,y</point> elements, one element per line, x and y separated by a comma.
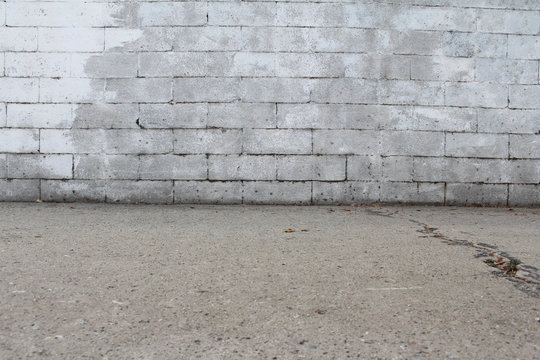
<point>348,192</point>
<point>71,39</point>
<point>18,39</point>
<point>412,42</point>
<point>208,192</point>
<point>364,168</point>
<point>311,65</point>
<point>314,14</point>
<point>348,90</point>
<point>485,94</point>
<point>524,47</point>
<point>19,140</point>
<point>242,13</point>
<point>138,90</point>
<point>525,146</point>
<point>131,141</point>
<point>19,190</point>
<point>476,145</point>
<point>3,116</point>
<point>474,45</point>
<point>37,64</point>
<point>139,39</point>
<point>106,65</point>
<point>2,14</point>
<point>460,170</point>
<point>54,141</point>
<point>274,141</point>
<point>376,66</point>
<point>128,191</point>
<point>175,167</point>
<point>207,141</point>
<point>412,193</point>
<point>206,90</point>
<point>172,64</point>
<point>40,166</point>
<point>92,167</point>
<point>433,18</point>
<point>523,171</point>
<point>412,143</point>
<point>19,90</point>
<point>172,13</point>
<point>523,195</point>
<point>241,167</point>
<point>276,39</point>
<point>241,64</point>
<point>333,116</point>
<point>476,194</point>
<point>335,40</point>
<point>354,142</point>
<point>507,71</point>
<point>397,168</point>
<point>57,14</point>
<point>208,38</point>
<point>508,121</point>
<point>168,116</point>
<point>410,92</point>
<point>524,96</point>
<point>39,116</point>
<point>242,115</point>
<point>68,90</point>
<point>322,168</point>
<point>442,68</point>
<point>276,90</point>
<point>427,118</point>
<point>277,192</point>
<point>508,21</point>
<point>73,190</point>
<point>105,116</point>
<point>3,165</point>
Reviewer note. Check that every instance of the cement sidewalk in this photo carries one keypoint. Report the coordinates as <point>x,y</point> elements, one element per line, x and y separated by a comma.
<point>229,282</point>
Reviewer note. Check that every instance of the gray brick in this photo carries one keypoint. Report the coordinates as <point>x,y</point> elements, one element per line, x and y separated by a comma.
<point>19,190</point>
<point>206,90</point>
<point>19,140</point>
<point>491,95</point>
<point>509,22</point>
<point>167,116</point>
<point>397,168</point>
<point>364,167</point>
<point>474,45</point>
<point>130,141</point>
<point>524,47</point>
<point>412,143</point>
<point>508,121</point>
<point>410,92</point>
<point>139,39</point>
<point>476,194</point>
<point>176,167</point>
<point>73,190</point>
<point>72,141</point>
<point>241,64</point>
<point>241,167</point>
<point>3,166</point>
<point>39,116</point>
<point>348,90</point>
<point>105,116</point>
<point>524,96</point>
<point>208,38</point>
<point>413,42</point>
<point>347,192</point>
<point>460,170</point>
<point>377,66</point>
<point>242,115</point>
<point>433,18</point>
<point>273,141</point>
<point>354,142</point>
<point>138,90</point>
<point>276,90</point>
<point>92,167</point>
<point>524,195</point>
<point>172,13</point>
<point>322,168</point>
<point>312,65</point>
<point>262,192</point>
<point>477,145</point>
<point>241,13</point>
<point>525,146</point>
<point>3,117</point>
<point>412,193</point>
<point>205,192</point>
<point>106,65</point>
<point>172,64</point>
<point>40,166</point>
<point>523,171</point>
<point>127,191</point>
<point>442,68</point>
<point>207,141</point>
<point>507,71</point>
<point>434,119</point>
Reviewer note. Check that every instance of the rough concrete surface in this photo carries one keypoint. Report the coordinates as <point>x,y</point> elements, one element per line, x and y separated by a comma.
<point>228,282</point>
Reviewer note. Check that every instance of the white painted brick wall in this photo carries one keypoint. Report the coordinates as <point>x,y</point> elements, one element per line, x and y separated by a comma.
<point>296,102</point>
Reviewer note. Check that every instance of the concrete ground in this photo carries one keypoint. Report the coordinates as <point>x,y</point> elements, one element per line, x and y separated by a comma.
<point>228,282</point>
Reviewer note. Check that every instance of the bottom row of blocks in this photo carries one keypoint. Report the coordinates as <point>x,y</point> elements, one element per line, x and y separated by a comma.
<point>270,192</point>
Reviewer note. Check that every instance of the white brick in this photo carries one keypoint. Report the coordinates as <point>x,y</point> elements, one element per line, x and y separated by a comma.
<point>322,168</point>
<point>410,92</point>
<point>207,141</point>
<point>39,115</point>
<point>40,166</point>
<point>67,90</point>
<point>164,116</point>
<point>349,91</point>
<point>19,140</point>
<point>309,65</point>
<point>412,143</point>
<point>172,13</point>
<point>509,22</point>
<point>57,14</point>
<point>241,167</point>
<point>105,116</point>
<point>508,121</point>
<point>434,118</point>
<point>3,117</point>
<point>71,39</point>
<point>176,167</point>
<point>273,141</point>
<point>476,95</point>
<point>354,142</point>
<point>477,145</point>
<point>374,66</point>
<point>314,14</point>
<point>18,39</point>
<point>38,64</point>
<point>525,146</point>
<point>2,14</point>
<point>131,141</point>
<point>207,38</point>
<point>442,68</point>
<point>19,89</point>
<point>524,47</point>
<point>72,141</point>
<point>524,97</point>
<point>434,18</point>
<point>242,115</point>
<point>106,167</point>
<point>507,71</point>
<point>138,39</point>
<point>241,13</point>
<point>275,90</point>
